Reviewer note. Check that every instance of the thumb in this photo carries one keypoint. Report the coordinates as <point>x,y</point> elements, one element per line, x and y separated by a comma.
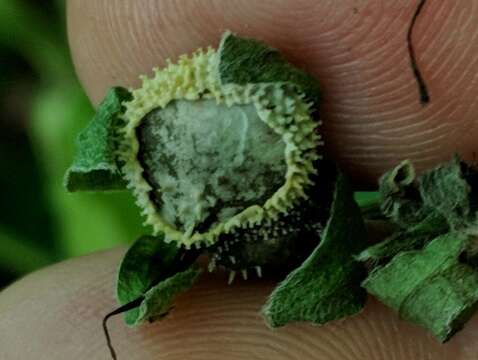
<point>56,314</point>
<point>357,49</point>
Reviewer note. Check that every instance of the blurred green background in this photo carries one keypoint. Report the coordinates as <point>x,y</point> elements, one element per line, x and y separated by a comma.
<point>43,108</point>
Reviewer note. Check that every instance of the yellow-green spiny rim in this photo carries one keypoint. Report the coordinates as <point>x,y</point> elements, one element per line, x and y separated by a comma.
<point>192,88</point>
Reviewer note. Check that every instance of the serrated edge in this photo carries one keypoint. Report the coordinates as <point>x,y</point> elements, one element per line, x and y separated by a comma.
<point>189,79</point>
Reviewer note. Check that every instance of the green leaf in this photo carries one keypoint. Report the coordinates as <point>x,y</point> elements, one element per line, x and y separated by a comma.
<point>117,219</point>
<point>95,165</point>
<point>400,196</point>
<point>413,238</point>
<point>424,207</point>
<point>428,267</point>
<point>244,61</point>
<point>146,263</point>
<point>158,300</point>
<point>447,190</point>
<point>327,285</point>
<point>429,287</point>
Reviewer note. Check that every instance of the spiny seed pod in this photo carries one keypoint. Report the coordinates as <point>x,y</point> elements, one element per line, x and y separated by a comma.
<point>222,152</point>
<point>205,158</point>
<point>280,245</point>
<point>220,149</point>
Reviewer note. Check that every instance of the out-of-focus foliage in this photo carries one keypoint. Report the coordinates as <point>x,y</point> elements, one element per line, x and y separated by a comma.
<point>43,109</point>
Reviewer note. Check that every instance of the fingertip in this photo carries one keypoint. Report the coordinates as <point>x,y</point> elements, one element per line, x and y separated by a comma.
<point>57,314</point>
<point>372,115</point>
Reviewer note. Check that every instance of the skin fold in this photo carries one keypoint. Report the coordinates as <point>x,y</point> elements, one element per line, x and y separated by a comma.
<point>372,120</point>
